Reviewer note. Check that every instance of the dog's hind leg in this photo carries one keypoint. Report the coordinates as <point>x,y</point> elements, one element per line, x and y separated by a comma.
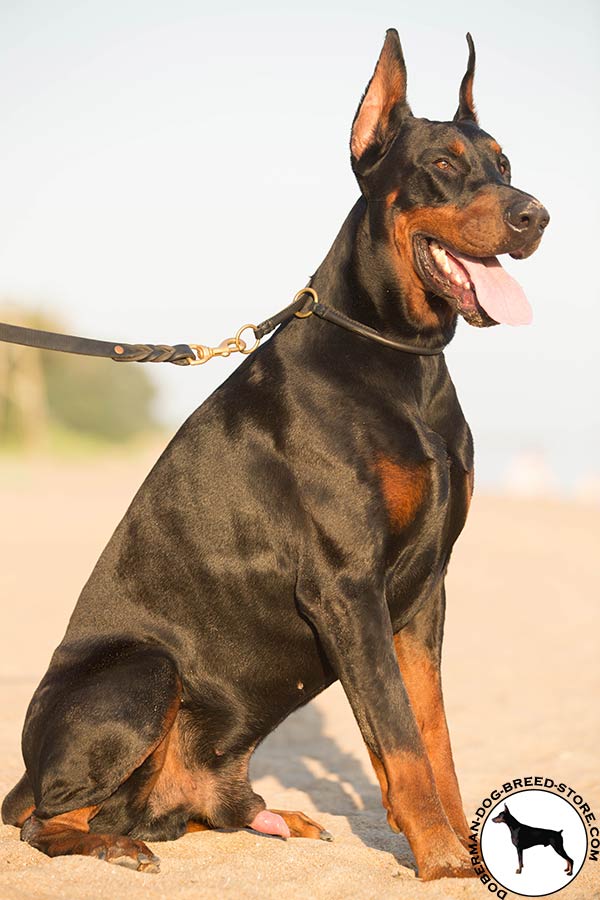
<point>558,846</point>
<point>18,803</point>
<point>93,721</point>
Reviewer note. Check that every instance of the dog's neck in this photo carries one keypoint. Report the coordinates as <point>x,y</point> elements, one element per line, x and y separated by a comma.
<point>359,277</point>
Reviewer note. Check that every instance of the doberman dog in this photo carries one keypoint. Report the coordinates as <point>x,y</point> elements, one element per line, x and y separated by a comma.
<point>296,531</point>
<point>525,836</point>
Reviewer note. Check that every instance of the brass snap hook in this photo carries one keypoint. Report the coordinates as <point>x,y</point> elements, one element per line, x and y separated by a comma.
<point>230,345</point>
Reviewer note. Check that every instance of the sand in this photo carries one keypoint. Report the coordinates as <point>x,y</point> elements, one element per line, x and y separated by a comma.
<point>521,673</point>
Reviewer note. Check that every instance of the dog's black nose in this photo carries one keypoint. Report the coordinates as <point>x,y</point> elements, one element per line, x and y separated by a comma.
<point>527,216</point>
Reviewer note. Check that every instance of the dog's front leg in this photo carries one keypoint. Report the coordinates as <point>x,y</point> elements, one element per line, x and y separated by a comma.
<point>418,650</point>
<point>356,633</point>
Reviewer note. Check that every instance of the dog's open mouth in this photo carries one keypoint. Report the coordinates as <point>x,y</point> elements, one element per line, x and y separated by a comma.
<point>478,287</point>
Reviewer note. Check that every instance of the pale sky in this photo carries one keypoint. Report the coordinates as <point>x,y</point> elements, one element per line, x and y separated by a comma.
<point>169,171</point>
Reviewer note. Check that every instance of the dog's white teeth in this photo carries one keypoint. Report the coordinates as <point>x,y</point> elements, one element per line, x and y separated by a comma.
<point>439,255</point>
<point>467,285</point>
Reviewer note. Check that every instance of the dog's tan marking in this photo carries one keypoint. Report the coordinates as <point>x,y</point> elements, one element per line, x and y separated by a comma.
<point>300,825</point>
<point>23,816</point>
<point>69,833</point>
<point>415,807</point>
<point>63,834</point>
<point>176,784</point>
<point>421,676</point>
<point>457,147</point>
<point>193,825</point>
<point>403,489</point>
<point>77,819</point>
<point>383,786</point>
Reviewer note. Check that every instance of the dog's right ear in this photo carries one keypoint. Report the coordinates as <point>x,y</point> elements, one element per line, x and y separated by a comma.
<point>506,808</point>
<point>382,107</point>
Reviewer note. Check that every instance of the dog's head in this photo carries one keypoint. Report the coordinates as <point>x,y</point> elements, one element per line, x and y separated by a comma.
<point>440,195</point>
<point>502,815</point>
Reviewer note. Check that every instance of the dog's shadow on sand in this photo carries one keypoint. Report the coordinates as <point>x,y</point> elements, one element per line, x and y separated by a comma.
<point>303,757</point>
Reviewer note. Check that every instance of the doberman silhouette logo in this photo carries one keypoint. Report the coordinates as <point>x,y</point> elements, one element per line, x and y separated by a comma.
<point>534,843</point>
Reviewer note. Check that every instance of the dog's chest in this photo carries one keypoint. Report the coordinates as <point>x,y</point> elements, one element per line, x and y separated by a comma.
<point>426,505</point>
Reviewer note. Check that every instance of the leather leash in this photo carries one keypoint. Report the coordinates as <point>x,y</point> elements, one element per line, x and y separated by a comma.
<point>197,354</point>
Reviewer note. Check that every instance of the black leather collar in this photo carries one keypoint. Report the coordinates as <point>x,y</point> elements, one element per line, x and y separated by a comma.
<point>300,308</point>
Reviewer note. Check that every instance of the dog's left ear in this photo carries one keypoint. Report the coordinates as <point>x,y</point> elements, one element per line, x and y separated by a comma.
<point>382,107</point>
<point>466,107</point>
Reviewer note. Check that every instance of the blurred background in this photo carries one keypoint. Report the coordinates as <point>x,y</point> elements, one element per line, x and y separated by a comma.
<point>169,171</point>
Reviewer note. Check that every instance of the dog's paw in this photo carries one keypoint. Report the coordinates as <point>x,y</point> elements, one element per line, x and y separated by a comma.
<point>454,867</point>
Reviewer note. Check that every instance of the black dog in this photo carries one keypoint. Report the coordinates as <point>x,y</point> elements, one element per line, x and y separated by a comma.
<point>524,836</point>
<point>297,530</point>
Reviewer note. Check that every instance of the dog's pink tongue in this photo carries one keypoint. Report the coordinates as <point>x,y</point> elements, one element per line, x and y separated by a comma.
<point>269,822</point>
<point>499,293</point>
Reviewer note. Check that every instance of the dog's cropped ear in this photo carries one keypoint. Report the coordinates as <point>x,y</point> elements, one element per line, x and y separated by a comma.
<point>506,808</point>
<point>466,107</point>
<point>382,107</point>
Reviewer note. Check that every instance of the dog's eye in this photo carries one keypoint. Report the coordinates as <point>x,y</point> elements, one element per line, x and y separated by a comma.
<point>503,166</point>
<point>443,164</point>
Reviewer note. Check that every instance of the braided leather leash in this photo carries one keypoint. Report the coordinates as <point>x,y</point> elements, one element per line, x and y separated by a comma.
<point>197,354</point>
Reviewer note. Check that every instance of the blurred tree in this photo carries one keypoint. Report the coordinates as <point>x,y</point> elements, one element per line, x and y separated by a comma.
<point>23,406</point>
<point>105,399</point>
<point>42,390</point>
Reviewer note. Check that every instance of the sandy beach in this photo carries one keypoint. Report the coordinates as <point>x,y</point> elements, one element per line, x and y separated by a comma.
<point>521,676</point>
